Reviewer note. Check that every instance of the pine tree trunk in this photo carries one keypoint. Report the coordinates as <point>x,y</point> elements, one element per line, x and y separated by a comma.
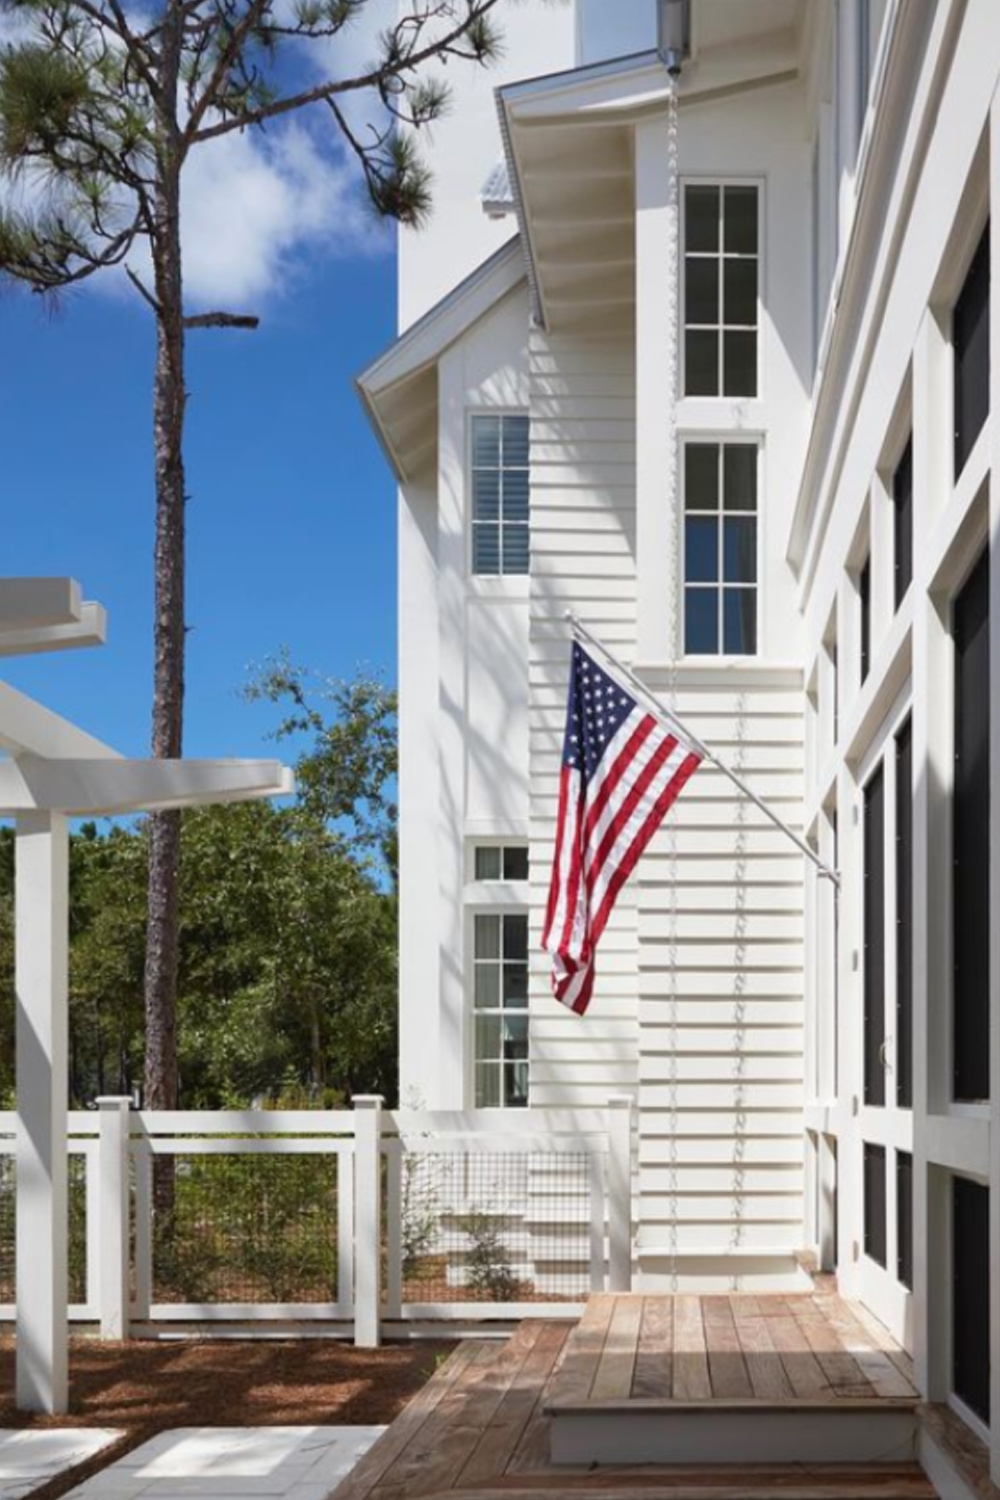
<point>169,629</point>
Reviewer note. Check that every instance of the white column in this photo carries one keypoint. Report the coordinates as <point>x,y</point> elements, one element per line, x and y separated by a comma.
<point>42,890</point>
<point>367,1221</point>
<point>112,1231</point>
<point>653,371</point>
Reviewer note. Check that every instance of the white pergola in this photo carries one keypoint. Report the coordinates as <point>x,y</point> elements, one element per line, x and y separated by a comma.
<point>51,771</point>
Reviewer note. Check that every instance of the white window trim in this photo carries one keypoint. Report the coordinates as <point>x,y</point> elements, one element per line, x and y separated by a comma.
<point>722,180</point>
<point>487,582</point>
<point>490,900</point>
<point>718,439</point>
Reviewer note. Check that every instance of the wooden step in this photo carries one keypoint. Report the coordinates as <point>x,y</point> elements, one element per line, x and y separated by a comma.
<point>761,1482</point>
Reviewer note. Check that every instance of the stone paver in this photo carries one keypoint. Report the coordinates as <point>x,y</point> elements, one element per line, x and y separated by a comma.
<point>273,1463</point>
<point>30,1459</point>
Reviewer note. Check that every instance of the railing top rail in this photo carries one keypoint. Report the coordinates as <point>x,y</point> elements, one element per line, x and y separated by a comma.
<point>243,1122</point>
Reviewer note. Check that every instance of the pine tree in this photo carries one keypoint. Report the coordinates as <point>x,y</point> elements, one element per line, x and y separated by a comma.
<point>103,104</point>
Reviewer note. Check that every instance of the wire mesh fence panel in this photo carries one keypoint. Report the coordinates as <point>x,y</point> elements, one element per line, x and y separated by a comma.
<point>247,1228</point>
<point>494,1227</point>
<point>77,1190</point>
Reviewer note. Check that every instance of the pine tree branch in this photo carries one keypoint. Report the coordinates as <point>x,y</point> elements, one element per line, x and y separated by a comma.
<point>222,320</point>
<point>143,291</point>
<point>377,78</point>
<point>225,61</point>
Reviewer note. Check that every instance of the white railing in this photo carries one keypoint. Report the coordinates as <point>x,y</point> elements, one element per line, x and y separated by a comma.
<point>360,1219</point>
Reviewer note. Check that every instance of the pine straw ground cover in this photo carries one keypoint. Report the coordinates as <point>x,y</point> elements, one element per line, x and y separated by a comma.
<point>144,1386</point>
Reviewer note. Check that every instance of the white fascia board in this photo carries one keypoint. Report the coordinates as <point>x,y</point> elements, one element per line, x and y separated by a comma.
<point>36,603</point>
<point>91,629</point>
<point>92,788</point>
<point>26,728</point>
<point>423,344</point>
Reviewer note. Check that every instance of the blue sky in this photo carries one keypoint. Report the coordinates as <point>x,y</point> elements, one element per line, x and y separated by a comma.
<point>292,518</point>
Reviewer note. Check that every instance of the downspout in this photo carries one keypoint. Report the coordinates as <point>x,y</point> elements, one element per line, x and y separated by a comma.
<point>673,33</point>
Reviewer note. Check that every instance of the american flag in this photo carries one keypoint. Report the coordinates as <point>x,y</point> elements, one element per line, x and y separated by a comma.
<point>622,768</point>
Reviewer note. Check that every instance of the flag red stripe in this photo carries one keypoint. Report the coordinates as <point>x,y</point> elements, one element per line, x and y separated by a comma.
<point>614,775</point>
<point>633,797</point>
<point>554,888</point>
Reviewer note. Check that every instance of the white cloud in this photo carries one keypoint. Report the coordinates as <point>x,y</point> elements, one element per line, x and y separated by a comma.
<point>255,205</point>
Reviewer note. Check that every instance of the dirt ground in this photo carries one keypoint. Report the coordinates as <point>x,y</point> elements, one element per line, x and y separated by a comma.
<point>143,1386</point>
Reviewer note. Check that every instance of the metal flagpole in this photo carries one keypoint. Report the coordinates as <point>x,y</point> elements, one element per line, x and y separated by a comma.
<point>580,630</point>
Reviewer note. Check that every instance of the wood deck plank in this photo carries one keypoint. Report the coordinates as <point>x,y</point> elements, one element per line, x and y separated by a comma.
<point>872,1353</point>
<point>654,1362</point>
<point>383,1453</point>
<point>726,1366</point>
<point>767,1373</point>
<point>845,1375</point>
<point>584,1349</point>
<point>691,1378</point>
<point>434,1458</point>
<point>805,1375</point>
<point>613,1377</point>
<point>498,1443</point>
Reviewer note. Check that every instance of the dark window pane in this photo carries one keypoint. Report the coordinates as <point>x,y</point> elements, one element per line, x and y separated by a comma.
<point>515,938</point>
<point>515,549</point>
<point>971,1294</point>
<point>739,490</point>
<point>971,837</point>
<point>701,364</point>
<point>485,547</point>
<point>515,441</point>
<point>740,304</point>
<point>701,291</point>
<point>904,1218</point>
<point>701,476</point>
<point>904,916</point>
<point>865,598</point>
<point>902,496</point>
<point>515,863</point>
<point>516,1085</point>
<point>487,1037</point>
<point>741,220</point>
<point>701,213</point>
<point>487,986</point>
<point>515,1037</point>
<point>486,495</point>
<point>874,929</point>
<point>971,343</point>
<point>701,550</point>
<point>740,549</point>
<point>487,936</point>
<point>740,622</point>
<point>487,1086</point>
<point>515,495</point>
<point>701,622</point>
<point>515,985</point>
<point>487,862</point>
<point>875,1203</point>
<point>486,441</point>
<point>740,354</point>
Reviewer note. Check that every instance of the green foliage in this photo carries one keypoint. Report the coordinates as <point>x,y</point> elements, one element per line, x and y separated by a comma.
<point>287,984</point>
<point>488,1260</point>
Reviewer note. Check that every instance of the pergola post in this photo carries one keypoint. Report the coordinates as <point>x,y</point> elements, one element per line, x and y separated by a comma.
<point>42,939</point>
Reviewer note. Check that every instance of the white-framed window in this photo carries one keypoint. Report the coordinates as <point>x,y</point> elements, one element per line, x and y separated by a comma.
<point>500,1008</point>
<point>500,862</point>
<point>499,477</point>
<point>721,237</point>
<point>720,548</point>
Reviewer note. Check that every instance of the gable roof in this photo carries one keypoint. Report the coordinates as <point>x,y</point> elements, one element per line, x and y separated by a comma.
<point>399,388</point>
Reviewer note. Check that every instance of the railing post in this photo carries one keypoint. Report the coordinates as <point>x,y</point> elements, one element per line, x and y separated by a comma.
<point>367,1220</point>
<point>620,1193</point>
<point>112,1226</point>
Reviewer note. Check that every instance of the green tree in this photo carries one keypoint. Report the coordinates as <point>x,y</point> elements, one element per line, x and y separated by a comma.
<point>102,108</point>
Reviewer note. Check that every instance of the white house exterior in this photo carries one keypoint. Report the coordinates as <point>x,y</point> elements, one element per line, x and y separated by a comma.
<point>810,1072</point>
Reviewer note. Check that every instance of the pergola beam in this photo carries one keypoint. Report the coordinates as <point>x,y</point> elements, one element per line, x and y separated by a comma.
<point>26,728</point>
<point>89,630</point>
<point>106,788</point>
<point>34,603</point>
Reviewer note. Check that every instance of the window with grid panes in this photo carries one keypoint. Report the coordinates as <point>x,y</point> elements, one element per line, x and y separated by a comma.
<point>721,274</point>
<point>500,494</point>
<point>720,549</point>
<point>501,862</point>
<point>500,1006</point>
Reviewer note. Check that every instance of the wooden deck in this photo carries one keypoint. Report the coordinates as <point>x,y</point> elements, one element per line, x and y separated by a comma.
<point>482,1426</point>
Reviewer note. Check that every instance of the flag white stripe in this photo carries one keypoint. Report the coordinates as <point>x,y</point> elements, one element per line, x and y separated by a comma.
<point>612,807</point>
<point>564,855</point>
<point>634,826</point>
